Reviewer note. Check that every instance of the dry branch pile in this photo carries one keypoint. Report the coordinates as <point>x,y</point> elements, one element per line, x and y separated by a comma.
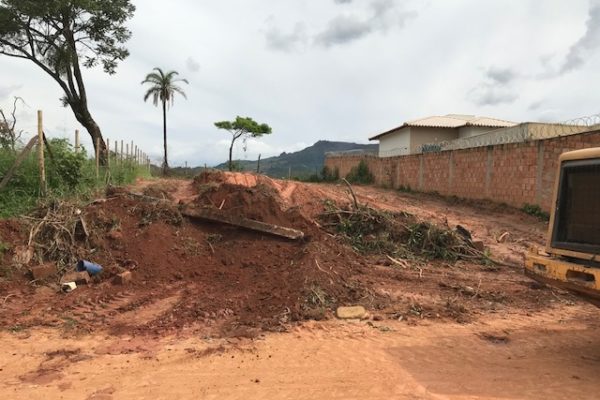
<point>374,231</point>
<point>55,229</point>
<point>65,232</point>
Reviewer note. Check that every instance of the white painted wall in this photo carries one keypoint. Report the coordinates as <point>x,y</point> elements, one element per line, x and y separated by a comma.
<point>420,136</point>
<point>396,143</point>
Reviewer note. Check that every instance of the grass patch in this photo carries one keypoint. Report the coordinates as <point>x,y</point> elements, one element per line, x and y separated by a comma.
<point>214,238</point>
<point>69,324</point>
<point>3,248</point>
<point>326,175</point>
<point>69,174</point>
<point>317,302</point>
<point>16,328</point>
<point>535,211</point>
<point>6,271</point>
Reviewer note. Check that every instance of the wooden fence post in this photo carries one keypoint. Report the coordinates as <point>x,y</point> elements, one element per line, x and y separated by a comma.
<point>40,144</point>
<point>107,153</point>
<point>77,144</point>
<point>98,158</point>
<point>116,152</point>
<point>121,151</point>
<point>126,151</point>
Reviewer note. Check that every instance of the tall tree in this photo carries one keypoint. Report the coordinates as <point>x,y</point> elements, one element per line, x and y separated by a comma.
<point>163,89</point>
<point>61,37</point>
<point>242,127</point>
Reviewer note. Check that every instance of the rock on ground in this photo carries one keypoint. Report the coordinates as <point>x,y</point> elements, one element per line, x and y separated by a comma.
<point>357,312</point>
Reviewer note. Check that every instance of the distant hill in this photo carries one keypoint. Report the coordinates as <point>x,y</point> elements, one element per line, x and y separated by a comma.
<point>303,163</point>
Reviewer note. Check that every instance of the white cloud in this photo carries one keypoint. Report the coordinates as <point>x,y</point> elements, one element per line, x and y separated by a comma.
<point>6,91</point>
<point>286,41</point>
<point>192,65</point>
<point>378,70</point>
<point>496,88</point>
<point>589,42</point>
<point>380,16</point>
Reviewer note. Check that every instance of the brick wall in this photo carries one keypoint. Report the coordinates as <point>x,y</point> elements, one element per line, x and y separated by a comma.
<point>516,173</point>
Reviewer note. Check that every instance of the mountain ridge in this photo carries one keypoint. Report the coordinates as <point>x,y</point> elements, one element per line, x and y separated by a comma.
<point>303,163</point>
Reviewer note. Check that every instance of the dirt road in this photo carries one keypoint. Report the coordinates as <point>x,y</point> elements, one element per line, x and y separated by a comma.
<point>555,355</point>
<point>438,329</point>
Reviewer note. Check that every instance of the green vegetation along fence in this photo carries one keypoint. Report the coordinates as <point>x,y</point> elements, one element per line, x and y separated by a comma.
<point>56,168</point>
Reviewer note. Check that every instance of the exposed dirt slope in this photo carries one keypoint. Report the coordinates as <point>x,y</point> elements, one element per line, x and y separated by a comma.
<point>221,280</point>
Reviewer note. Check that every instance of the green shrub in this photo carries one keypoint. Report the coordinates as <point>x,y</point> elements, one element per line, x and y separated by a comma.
<point>329,175</point>
<point>536,211</point>
<point>65,167</point>
<point>315,178</point>
<point>405,189</point>
<point>237,166</point>
<point>361,174</point>
<point>68,174</point>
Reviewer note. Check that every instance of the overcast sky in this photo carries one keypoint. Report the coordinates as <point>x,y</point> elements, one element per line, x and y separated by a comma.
<point>330,69</point>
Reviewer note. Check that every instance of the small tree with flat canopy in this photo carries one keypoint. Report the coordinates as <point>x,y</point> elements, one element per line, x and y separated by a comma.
<point>242,127</point>
<point>63,36</point>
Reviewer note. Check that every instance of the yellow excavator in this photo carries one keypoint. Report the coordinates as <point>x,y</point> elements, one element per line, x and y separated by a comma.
<point>571,259</point>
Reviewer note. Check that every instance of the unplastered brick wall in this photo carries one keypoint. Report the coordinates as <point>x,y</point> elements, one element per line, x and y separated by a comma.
<point>515,174</point>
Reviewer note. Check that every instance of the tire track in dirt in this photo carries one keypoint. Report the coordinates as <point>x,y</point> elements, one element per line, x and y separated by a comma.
<point>122,309</point>
<point>100,306</point>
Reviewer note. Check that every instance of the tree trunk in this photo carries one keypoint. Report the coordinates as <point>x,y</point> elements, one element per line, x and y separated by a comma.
<point>84,117</point>
<point>166,162</point>
<point>231,155</point>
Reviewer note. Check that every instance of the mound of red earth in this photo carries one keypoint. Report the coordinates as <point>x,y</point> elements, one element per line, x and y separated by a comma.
<point>261,202</point>
<point>210,279</point>
<point>187,271</point>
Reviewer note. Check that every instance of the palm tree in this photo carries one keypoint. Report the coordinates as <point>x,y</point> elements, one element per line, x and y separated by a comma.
<point>163,89</point>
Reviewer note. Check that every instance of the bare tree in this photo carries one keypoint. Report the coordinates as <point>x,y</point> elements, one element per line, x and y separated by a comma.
<point>9,135</point>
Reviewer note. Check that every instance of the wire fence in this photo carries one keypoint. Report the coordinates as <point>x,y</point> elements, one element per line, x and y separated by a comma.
<point>357,152</point>
<point>396,151</point>
<point>527,131</point>
<point>59,167</point>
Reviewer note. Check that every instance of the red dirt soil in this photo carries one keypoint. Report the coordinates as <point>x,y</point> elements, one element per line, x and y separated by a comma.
<point>224,281</point>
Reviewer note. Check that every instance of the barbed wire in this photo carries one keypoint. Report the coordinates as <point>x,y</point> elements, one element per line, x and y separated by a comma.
<point>396,151</point>
<point>357,152</point>
<point>524,132</point>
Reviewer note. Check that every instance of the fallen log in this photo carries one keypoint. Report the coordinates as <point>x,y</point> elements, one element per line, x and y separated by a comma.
<point>221,216</point>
